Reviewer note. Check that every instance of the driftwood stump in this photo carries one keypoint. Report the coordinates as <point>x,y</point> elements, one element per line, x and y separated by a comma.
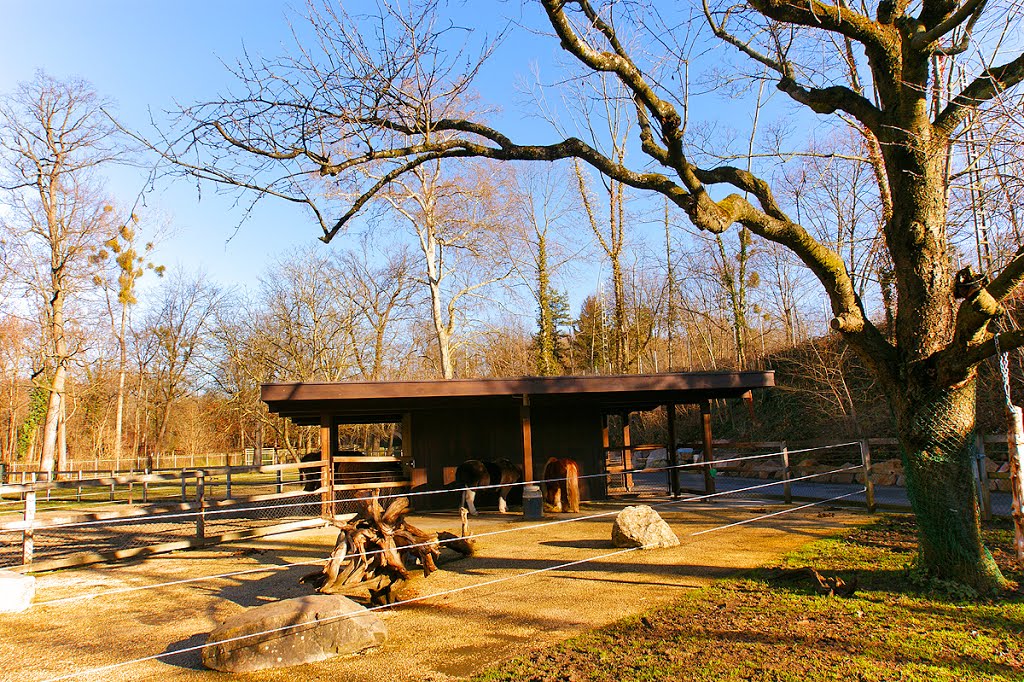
<point>372,550</point>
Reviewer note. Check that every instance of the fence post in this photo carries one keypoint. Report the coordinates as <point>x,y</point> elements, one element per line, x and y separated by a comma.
<point>78,496</point>
<point>131,484</point>
<point>227,484</point>
<point>981,474</point>
<point>869,484</point>
<point>184,486</point>
<point>280,482</point>
<point>113,484</point>
<point>201,506</point>
<point>787,492</point>
<point>27,540</point>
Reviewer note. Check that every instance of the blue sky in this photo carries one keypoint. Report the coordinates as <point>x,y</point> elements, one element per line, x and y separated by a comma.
<point>147,55</point>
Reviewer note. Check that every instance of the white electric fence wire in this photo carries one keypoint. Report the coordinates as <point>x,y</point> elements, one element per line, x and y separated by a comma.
<point>502,531</point>
<point>411,600</point>
<point>155,518</point>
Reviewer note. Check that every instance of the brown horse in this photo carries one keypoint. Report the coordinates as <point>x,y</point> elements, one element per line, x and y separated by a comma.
<point>562,485</point>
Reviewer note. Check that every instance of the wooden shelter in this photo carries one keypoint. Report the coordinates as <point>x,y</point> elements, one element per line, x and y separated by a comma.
<point>527,419</point>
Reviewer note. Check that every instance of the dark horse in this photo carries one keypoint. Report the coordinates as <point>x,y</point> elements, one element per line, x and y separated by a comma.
<point>474,473</point>
<point>562,485</point>
<point>309,476</point>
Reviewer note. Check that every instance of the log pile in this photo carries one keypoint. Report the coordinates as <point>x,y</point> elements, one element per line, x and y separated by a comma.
<point>373,549</point>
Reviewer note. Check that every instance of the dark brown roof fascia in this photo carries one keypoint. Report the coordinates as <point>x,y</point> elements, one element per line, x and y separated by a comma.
<point>631,383</point>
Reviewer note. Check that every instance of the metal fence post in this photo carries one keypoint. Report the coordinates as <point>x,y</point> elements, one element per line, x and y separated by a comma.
<point>787,492</point>
<point>27,539</point>
<point>201,506</point>
<point>280,482</point>
<point>869,484</point>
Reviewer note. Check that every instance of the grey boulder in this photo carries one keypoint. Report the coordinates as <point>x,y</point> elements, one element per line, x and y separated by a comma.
<point>640,526</point>
<point>16,591</point>
<point>292,632</point>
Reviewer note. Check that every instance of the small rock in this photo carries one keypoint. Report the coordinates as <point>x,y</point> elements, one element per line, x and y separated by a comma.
<point>305,630</point>
<point>641,526</point>
<point>16,591</point>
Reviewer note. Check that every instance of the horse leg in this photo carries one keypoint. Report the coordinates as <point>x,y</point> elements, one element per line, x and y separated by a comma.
<point>503,499</point>
<point>467,500</point>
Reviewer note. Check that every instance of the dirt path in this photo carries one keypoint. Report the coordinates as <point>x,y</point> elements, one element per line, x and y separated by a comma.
<point>439,638</point>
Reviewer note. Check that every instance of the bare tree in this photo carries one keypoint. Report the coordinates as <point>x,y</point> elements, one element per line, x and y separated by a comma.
<point>179,330</point>
<point>381,294</point>
<point>53,138</point>
<point>391,101</point>
<point>455,221</point>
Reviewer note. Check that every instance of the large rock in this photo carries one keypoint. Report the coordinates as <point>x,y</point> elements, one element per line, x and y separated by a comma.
<point>305,630</point>
<point>641,526</point>
<point>16,591</point>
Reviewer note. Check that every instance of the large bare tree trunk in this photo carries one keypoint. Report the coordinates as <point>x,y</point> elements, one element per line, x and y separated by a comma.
<point>935,428</point>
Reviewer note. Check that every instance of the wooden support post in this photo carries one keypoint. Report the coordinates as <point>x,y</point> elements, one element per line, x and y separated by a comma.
<point>113,475</point>
<point>605,440</point>
<point>131,484</point>
<point>280,482</point>
<point>787,492</point>
<point>709,454</point>
<point>201,507</point>
<point>869,483</point>
<point>184,485</point>
<point>673,455</point>
<point>981,477</point>
<point>78,495</point>
<point>627,452</point>
<point>527,428</point>
<point>326,471</point>
<point>27,539</point>
<point>227,483</point>
<point>257,453</point>
<point>1015,443</point>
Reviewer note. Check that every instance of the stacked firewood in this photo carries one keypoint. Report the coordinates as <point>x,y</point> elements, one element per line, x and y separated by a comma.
<point>373,549</point>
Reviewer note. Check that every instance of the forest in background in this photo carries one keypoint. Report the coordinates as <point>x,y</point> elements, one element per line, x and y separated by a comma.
<point>456,275</point>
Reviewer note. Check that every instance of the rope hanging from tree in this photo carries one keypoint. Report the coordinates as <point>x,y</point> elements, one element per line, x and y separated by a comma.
<point>1015,448</point>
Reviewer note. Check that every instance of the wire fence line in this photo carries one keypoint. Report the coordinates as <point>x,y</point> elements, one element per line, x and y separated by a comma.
<point>212,518</point>
<point>502,531</point>
<point>420,598</point>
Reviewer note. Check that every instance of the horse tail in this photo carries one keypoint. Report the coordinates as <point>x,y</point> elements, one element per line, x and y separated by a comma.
<point>572,484</point>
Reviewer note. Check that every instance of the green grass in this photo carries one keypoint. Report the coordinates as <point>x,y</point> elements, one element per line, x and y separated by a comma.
<point>772,625</point>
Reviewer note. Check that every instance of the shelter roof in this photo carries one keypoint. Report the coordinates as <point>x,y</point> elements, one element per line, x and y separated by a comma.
<point>366,401</point>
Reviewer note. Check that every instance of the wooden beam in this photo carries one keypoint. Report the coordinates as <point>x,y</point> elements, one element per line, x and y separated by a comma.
<point>627,451</point>
<point>709,453</point>
<point>673,456</point>
<point>326,472</point>
<point>527,428</point>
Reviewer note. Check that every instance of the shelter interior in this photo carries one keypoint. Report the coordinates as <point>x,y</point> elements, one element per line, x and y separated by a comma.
<point>433,426</point>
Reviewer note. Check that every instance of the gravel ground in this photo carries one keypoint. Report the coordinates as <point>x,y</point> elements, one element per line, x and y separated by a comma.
<point>439,638</point>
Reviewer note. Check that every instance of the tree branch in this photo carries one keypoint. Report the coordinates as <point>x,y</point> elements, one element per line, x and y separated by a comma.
<point>832,99</point>
<point>814,14</point>
<point>983,88</point>
<point>971,8</point>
